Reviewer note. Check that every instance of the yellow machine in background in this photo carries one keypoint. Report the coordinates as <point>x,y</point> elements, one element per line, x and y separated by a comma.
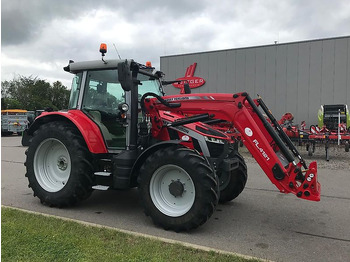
<point>13,121</point>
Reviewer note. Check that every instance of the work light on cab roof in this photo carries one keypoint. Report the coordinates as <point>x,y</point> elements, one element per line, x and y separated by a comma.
<point>103,51</point>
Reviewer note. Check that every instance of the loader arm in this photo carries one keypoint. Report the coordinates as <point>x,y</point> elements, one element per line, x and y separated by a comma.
<point>268,144</point>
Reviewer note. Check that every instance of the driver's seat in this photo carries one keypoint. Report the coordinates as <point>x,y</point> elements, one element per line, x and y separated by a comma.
<point>96,115</point>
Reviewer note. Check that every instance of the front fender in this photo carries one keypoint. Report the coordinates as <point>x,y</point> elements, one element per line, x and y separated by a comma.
<point>150,150</point>
<point>88,128</point>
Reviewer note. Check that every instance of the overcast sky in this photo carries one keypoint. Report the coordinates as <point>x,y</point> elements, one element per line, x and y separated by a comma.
<point>38,37</point>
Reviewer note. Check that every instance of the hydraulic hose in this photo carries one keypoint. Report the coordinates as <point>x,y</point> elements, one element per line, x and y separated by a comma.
<point>160,99</point>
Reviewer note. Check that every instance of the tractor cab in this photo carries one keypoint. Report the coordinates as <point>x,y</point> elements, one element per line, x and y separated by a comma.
<point>97,91</point>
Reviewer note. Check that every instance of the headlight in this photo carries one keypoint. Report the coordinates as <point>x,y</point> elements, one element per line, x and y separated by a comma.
<point>213,140</point>
<point>123,107</point>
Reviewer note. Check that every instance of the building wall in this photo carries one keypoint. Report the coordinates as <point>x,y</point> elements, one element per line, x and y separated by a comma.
<point>293,77</point>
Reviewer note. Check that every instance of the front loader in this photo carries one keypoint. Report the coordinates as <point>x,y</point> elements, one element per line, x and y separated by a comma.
<point>120,131</point>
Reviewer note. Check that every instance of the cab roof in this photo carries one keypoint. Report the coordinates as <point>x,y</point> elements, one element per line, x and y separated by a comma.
<point>76,67</point>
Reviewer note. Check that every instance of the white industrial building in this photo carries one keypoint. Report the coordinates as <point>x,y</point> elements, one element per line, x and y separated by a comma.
<point>295,77</point>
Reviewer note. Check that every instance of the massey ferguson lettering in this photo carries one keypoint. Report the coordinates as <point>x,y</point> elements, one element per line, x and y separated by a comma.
<point>184,98</point>
<point>256,142</point>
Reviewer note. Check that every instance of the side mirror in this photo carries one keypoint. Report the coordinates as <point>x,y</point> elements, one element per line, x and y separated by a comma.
<point>125,76</point>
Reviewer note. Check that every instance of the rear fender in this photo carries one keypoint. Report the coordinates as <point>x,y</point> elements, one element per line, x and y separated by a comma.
<point>88,129</point>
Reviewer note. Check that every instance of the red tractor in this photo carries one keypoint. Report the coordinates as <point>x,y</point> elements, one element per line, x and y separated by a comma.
<point>120,132</point>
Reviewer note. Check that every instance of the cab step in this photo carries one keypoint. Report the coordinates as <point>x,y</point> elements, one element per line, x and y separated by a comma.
<point>102,173</point>
<point>100,187</point>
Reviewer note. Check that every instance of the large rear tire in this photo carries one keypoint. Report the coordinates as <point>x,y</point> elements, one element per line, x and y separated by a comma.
<point>58,165</point>
<point>178,188</point>
<point>232,184</point>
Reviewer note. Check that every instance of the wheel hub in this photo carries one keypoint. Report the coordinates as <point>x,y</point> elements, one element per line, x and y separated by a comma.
<point>62,163</point>
<point>172,190</point>
<point>52,165</point>
<point>176,188</point>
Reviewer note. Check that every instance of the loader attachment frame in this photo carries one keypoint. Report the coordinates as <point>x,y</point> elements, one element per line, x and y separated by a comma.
<point>292,177</point>
<point>263,136</point>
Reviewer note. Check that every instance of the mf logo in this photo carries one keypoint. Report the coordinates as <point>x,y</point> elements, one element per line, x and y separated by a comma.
<point>193,81</point>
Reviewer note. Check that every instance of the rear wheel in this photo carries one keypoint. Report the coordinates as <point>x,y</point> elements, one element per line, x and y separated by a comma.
<point>178,189</point>
<point>327,150</point>
<point>310,150</point>
<point>232,183</point>
<point>347,146</point>
<point>58,164</point>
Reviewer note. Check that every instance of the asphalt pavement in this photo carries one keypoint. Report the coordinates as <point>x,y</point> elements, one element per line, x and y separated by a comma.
<point>261,222</point>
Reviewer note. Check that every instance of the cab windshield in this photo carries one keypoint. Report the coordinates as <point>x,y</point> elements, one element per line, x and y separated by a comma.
<point>104,92</point>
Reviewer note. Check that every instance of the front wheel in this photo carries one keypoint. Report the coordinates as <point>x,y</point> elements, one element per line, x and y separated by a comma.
<point>178,188</point>
<point>58,165</point>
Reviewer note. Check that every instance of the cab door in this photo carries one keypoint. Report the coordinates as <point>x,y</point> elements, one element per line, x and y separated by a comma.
<point>102,96</point>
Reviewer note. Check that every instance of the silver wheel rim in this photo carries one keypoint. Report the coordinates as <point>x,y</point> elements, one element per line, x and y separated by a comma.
<point>163,199</point>
<point>52,165</point>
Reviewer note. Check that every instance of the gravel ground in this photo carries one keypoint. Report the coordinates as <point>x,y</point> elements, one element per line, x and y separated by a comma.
<point>339,159</point>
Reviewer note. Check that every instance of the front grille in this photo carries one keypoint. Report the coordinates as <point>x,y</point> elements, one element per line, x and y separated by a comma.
<point>215,149</point>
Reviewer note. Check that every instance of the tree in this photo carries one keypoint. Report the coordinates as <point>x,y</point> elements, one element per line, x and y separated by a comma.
<point>32,93</point>
<point>6,101</point>
<point>9,103</point>
<point>60,95</point>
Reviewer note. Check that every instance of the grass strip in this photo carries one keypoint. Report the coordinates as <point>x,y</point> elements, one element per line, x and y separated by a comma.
<point>33,237</point>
